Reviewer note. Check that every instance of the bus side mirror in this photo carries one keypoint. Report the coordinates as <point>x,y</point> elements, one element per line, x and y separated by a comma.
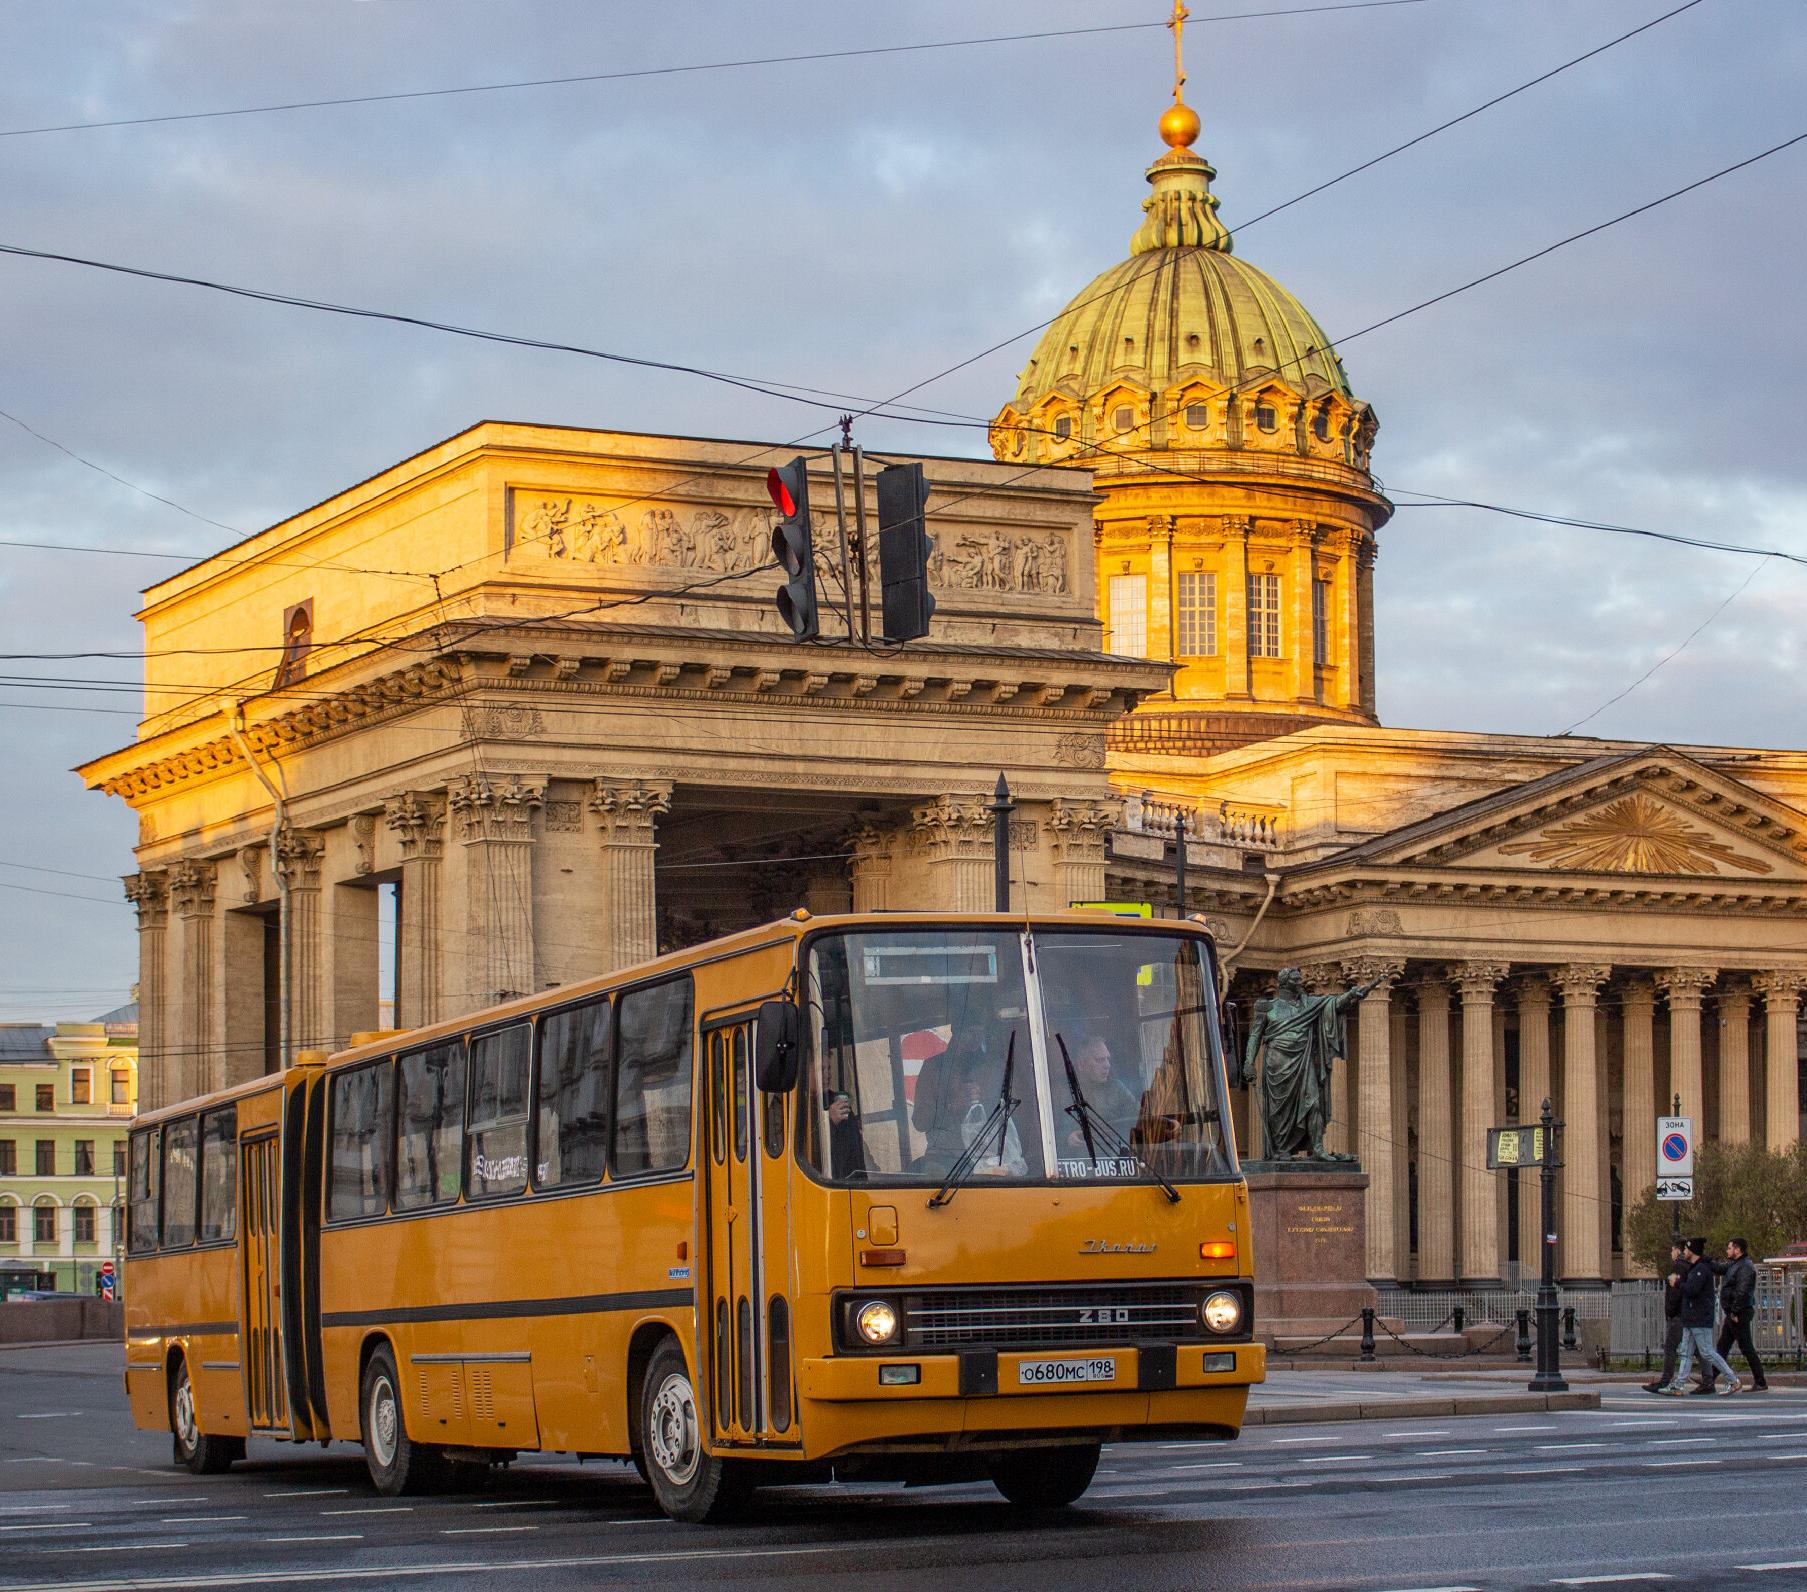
<point>775,1049</point>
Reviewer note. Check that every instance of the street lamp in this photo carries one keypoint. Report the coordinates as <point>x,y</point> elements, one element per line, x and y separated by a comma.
<point>1549,1365</point>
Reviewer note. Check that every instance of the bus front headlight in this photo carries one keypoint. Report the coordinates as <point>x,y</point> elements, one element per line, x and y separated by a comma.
<point>876,1321</point>
<point>1221,1312</point>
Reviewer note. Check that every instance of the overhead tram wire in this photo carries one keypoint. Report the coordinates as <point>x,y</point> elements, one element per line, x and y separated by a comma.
<point>682,70</point>
<point>952,417</point>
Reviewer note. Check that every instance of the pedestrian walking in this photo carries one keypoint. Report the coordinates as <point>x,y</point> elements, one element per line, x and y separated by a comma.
<point>1738,1309</point>
<point>1672,1326</point>
<point>1697,1322</point>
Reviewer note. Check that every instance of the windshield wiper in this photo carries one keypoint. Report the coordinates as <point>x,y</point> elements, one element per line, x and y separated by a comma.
<point>1091,1122</point>
<point>998,1122</point>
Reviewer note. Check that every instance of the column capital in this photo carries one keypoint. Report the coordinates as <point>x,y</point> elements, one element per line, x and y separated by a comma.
<point>1780,987</point>
<point>418,819</point>
<point>495,808</point>
<point>1078,829</point>
<point>191,883</point>
<point>1432,987</point>
<point>959,826</point>
<point>1580,981</point>
<point>1477,980</point>
<point>1366,969</point>
<point>1639,990</point>
<point>298,854</point>
<point>1532,989</point>
<point>1734,992</point>
<point>1237,524</point>
<point>149,894</point>
<point>1684,986</point>
<point>628,810</point>
<point>1320,978</point>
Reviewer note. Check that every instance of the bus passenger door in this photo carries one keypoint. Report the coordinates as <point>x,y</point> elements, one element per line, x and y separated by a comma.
<point>745,1268</point>
<point>260,1331</point>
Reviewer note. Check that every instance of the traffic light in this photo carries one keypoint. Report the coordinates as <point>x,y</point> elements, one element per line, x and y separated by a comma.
<point>903,553</point>
<point>793,545</point>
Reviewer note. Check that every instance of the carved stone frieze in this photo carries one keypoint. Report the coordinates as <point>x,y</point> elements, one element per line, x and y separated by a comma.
<point>1373,920</point>
<point>1079,751</point>
<point>564,817</point>
<point>363,836</point>
<point>1634,834</point>
<point>418,820</point>
<point>499,808</point>
<point>507,723</point>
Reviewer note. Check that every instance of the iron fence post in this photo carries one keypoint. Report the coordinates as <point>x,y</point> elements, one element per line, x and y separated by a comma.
<point>1367,1333</point>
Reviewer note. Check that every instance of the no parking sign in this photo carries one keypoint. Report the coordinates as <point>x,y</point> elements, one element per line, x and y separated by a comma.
<point>1675,1158</point>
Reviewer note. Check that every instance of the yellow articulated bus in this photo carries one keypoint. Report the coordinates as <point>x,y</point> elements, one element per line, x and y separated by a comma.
<point>874,1196</point>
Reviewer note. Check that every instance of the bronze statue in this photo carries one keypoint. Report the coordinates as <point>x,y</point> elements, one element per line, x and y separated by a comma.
<point>1299,1037</point>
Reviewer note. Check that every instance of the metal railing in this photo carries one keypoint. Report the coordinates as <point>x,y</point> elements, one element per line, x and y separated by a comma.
<point>1426,1310</point>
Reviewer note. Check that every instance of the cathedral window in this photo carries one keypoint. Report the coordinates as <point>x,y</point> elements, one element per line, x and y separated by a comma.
<point>1197,614</point>
<point>1264,616</point>
<point>1123,418</point>
<point>1320,622</point>
<point>1063,427</point>
<point>1196,417</point>
<point>1128,636</point>
<point>1265,417</point>
<point>1320,425</point>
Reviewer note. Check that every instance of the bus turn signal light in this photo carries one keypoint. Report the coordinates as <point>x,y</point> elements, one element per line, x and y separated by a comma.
<point>1220,1249</point>
<point>881,1257</point>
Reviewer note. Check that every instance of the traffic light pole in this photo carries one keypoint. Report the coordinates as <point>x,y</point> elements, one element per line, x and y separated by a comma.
<point>859,541</point>
<point>1549,1364</point>
<point>840,519</point>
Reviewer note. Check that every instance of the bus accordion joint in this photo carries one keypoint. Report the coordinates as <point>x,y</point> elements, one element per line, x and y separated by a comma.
<point>881,1257</point>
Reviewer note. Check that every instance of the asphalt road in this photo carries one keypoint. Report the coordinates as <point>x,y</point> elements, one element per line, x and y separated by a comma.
<point>1688,1492</point>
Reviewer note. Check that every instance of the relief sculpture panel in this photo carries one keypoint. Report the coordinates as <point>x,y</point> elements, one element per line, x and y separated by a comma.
<point>565,528</point>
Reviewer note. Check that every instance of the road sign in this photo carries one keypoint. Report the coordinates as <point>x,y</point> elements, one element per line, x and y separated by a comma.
<point>106,1268</point>
<point>1674,1155</point>
<point>1675,1188</point>
<point>1510,1147</point>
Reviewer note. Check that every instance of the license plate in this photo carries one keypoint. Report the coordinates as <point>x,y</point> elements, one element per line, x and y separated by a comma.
<point>1055,1373</point>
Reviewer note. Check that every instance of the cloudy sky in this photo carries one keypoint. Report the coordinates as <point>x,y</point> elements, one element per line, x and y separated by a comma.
<point>857,224</point>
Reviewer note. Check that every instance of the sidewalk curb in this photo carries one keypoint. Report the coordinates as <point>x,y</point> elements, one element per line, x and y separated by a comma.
<point>1411,1409</point>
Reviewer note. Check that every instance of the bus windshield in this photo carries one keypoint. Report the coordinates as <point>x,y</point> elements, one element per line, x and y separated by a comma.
<point>1069,1055</point>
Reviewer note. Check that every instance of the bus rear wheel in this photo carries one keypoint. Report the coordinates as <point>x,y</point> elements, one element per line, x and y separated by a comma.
<point>396,1462</point>
<point>205,1455</point>
<point>689,1483</point>
<point>1045,1478</point>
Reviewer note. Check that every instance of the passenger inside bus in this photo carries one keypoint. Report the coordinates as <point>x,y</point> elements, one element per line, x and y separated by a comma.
<point>1105,1093</point>
<point>961,1093</point>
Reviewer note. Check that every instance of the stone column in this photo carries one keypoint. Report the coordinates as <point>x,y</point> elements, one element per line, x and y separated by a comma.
<point>1480,1257</point>
<point>1301,572</point>
<point>418,820</point>
<point>1436,1157</point>
<point>1363,649</point>
<point>870,867</point>
<point>1639,1007</point>
<point>1326,978</point>
<point>188,1041</point>
<point>149,894</point>
<point>1734,1062</point>
<point>956,836</point>
<point>627,813</point>
<point>1683,988</point>
<point>1534,1088</point>
<point>1236,607</point>
<point>297,861</point>
<point>1077,831</point>
<point>1162,642</point>
<point>1781,992</point>
<point>1580,1259</point>
<point>495,817</point>
<point>1399,1044</point>
<point>1380,1114</point>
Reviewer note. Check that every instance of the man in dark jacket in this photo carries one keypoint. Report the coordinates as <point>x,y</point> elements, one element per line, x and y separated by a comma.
<point>1697,1322</point>
<point>1738,1302</point>
<point>1672,1325</point>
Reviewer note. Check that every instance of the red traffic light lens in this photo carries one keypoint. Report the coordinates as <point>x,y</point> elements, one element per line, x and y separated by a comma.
<point>781,494</point>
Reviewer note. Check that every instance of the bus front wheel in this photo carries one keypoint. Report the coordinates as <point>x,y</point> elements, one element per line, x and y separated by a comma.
<point>1045,1478</point>
<point>397,1463</point>
<point>205,1455</point>
<point>689,1483</point>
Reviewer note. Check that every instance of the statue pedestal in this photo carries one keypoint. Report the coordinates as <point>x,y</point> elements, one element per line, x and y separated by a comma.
<point>1311,1247</point>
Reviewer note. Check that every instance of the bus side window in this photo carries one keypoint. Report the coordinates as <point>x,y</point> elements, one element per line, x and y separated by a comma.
<point>219,1175</point>
<point>429,1126</point>
<point>496,1157</point>
<point>179,1185</point>
<point>146,1152</point>
<point>571,1133</point>
<point>358,1163</point>
<point>652,1080</point>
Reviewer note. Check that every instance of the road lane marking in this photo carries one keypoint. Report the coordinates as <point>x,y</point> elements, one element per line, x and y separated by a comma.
<point>1605,1580</point>
<point>373,1509</point>
<point>47,1525</point>
<point>200,1520</point>
<point>1672,1464</point>
<point>33,1509</point>
<point>1280,1442</point>
<point>483,1531</point>
<point>1443,1433</point>
<point>1792,1564</point>
<point>323,1536</point>
<point>1236,1464</point>
<point>1335,1459</point>
<point>553,1503</point>
<point>1681,1442</point>
<point>1434,1589</point>
<point>306,1492</point>
<point>1644,1423</point>
<point>119,1547</point>
<point>399,1572</point>
<point>1552,1448</point>
<point>1526,1428</point>
<point>48,1415</point>
<point>1545,1470</point>
<point>1444,1453</point>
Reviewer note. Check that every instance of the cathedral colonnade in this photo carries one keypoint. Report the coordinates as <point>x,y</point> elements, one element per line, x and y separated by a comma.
<point>1442,1051</point>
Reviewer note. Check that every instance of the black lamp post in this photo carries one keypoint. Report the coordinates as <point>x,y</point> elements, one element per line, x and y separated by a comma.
<point>1549,1364</point>
<point>1001,809</point>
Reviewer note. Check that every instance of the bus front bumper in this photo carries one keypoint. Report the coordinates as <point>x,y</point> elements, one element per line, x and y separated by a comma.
<point>1034,1373</point>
